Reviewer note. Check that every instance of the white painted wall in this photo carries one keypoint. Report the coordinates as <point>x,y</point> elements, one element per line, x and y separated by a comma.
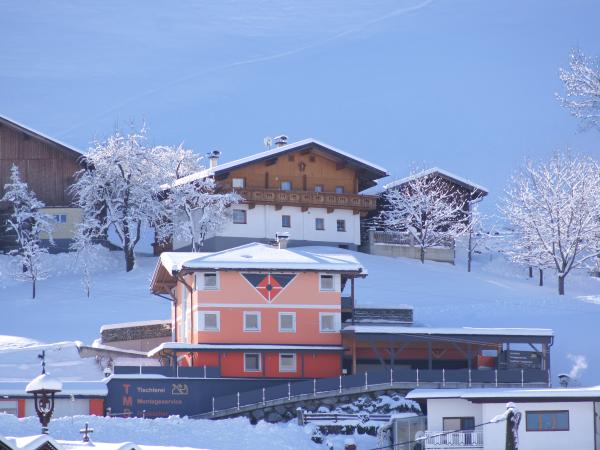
<point>437,409</point>
<point>580,434</point>
<point>263,221</point>
<point>581,423</point>
<point>62,407</point>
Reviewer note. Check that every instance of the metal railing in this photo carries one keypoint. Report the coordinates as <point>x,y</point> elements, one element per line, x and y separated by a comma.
<point>375,380</point>
<point>456,439</point>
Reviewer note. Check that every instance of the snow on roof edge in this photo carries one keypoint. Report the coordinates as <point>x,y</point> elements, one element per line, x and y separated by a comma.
<point>435,170</point>
<point>493,392</point>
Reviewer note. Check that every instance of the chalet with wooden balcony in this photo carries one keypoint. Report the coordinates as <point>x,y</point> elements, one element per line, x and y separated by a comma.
<point>48,167</point>
<point>308,189</point>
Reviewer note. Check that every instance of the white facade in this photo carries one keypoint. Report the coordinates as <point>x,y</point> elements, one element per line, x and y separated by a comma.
<point>264,221</point>
<point>582,432</point>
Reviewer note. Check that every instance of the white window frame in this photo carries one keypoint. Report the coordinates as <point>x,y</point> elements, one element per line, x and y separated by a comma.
<point>333,283</point>
<point>289,221</point>
<point>280,315</point>
<point>258,321</point>
<point>337,225</point>
<point>322,221</point>
<point>200,281</point>
<point>201,322</point>
<point>259,362</point>
<point>336,322</point>
<point>294,358</point>
<point>236,180</point>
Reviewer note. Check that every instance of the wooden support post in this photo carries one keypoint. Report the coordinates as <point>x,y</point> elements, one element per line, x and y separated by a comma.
<point>469,356</point>
<point>429,356</point>
<point>352,296</point>
<point>354,355</point>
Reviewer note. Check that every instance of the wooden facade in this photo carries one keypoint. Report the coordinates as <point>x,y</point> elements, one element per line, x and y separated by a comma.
<point>47,166</point>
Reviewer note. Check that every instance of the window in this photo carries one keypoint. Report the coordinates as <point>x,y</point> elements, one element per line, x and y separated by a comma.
<point>9,407</point>
<point>286,221</point>
<point>239,216</point>
<point>319,223</point>
<point>318,188</point>
<point>339,189</point>
<point>287,322</point>
<point>547,420</point>
<point>252,362</point>
<point>286,185</point>
<point>287,362</point>
<point>327,283</point>
<point>207,281</point>
<point>59,218</point>
<point>328,323</point>
<point>251,321</point>
<point>341,225</point>
<point>238,183</point>
<point>209,320</point>
<point>458,423</point>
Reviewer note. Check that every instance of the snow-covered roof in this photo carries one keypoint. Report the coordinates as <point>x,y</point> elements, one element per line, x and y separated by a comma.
<point>143,323</point>
<point>43,440</point>
<point>381,172</point>
<point>397,329</point>
<point>191,347</point>
<point>32,131</point>
<point>263,257</point>
<point>505,393</point>
<point>76,388</point>
<point>443,172</point>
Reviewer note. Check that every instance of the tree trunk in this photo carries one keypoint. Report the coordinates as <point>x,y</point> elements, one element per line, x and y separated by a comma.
<point>33,288</point>
<point>561,285</point>
<point>423,255</point>
<point>541,276</point>
<point>129,259</point>
<point>470,252</point>
<point>530,272</point>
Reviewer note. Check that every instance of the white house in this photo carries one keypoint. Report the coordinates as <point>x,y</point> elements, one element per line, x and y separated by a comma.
<point>307,189</point>
<point>551,419</point>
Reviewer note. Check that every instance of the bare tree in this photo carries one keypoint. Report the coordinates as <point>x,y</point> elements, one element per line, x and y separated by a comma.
<point>477,230</point>
<point>28,223</point>
<point>582,89</point>
<point>554,208</point>
<point>427,208</point>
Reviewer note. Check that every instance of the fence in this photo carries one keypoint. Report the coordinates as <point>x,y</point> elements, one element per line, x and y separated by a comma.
<point>404,238</point>
<point>456,439</point>
<point>305,417</point>
<point>369,381</point>
<point>168,371</point>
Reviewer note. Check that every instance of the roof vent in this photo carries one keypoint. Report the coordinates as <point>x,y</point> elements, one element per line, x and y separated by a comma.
<point>280,140</point>
<point>213,157</point>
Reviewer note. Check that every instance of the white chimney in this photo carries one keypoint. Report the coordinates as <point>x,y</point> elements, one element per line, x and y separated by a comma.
<point>282,239</point>
<point>213,158</point>
<point>280,140</point>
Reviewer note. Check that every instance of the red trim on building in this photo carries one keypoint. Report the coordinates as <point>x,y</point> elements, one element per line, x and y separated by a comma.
<point>96,407</point>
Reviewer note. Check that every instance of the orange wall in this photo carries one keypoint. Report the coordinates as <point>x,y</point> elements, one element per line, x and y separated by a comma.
<point>96,407</point>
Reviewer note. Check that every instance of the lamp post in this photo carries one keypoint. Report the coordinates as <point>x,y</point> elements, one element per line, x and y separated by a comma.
<point>43,388</point>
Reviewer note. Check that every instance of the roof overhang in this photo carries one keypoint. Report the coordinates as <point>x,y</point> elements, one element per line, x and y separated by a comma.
<point>178,347</point>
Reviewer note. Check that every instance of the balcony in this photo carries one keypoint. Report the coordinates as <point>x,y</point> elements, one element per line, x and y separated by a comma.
<point>306,199</point>
<point>453,440</point>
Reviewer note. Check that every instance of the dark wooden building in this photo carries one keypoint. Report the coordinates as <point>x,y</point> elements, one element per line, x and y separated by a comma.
<point>48,167</point>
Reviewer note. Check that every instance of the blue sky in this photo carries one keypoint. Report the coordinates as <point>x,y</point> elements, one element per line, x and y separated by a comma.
<point>467,85</point>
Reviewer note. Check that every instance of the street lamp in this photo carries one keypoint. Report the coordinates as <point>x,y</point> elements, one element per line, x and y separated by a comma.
<point>43,388</point>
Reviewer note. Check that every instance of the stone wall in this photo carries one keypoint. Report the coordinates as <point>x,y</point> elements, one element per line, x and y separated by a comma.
<point>141,337</point>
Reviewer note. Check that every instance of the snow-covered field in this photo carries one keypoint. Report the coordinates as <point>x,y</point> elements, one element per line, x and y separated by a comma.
<point>495,294</point>
<point>181,432</point>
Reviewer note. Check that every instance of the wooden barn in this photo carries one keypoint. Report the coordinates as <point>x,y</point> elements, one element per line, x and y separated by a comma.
<point>48,167</point>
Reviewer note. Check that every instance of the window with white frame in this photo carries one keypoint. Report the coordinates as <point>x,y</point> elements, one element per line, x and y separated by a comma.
<point>252,362</point>
<point>209,320</point>
<point>287,362</point>
<point>239,216</point>
<point>328,322</point>
<point>327,282</point>
<point>286,221</point>
<point>207,281</point>
<point>319,224</point>
<point>341,225</point>
<point>287,322</point>
<point>251,321</point>
<point>238,183</point>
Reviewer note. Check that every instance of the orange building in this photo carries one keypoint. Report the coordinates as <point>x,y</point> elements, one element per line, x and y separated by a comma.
<point>257,310</point>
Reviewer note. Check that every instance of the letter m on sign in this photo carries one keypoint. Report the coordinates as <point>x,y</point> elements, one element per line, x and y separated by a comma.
<point>127,401</point>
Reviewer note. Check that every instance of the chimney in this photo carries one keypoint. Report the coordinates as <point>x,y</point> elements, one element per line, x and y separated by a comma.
<point>280,140</point>
<point>282,240</point>
<point>213,158</point>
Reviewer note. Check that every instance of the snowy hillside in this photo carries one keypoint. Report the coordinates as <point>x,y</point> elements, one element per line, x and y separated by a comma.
<point>496,294</point>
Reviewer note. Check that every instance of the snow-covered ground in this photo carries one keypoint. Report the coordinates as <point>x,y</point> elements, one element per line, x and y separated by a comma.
<point>495,294</point>
<point>182,432</point>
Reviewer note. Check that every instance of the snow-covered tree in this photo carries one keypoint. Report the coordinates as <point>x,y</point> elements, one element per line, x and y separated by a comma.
<point>27,222</point>
<point>582,89</point>
<point>554,208</point>
<point>428,208</point>
<point>197,210</point>
<point>87,248</point>
<point>126,186</point>
<point>477,231</point>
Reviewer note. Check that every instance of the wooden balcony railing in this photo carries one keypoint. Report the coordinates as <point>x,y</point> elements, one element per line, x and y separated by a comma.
<point>309,199</point>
